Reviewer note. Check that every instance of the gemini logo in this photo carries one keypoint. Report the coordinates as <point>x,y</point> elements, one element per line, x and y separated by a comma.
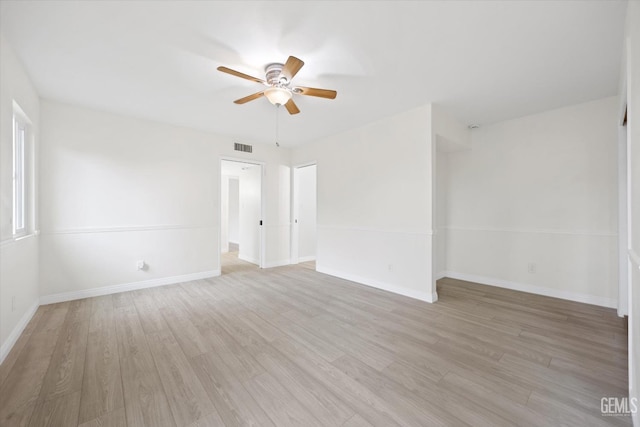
<point>618,406</point>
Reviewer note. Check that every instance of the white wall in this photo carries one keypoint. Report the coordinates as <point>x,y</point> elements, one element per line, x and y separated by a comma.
<point>18,258</point>
<point>234,210</point>
<point>116,189</point>
<point>539,189</point>
<point>374,203</point>
<point>306,212</point>
<point>249,190</point>
<point>449,135</point>
<point>440,235</point>
<point>633,124</point>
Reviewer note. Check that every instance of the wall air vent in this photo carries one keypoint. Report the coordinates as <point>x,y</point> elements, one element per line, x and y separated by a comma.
<point>243,147</point>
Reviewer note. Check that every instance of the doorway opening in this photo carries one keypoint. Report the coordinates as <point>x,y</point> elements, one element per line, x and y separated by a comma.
<point>241,209</point>
<point>304,232</point>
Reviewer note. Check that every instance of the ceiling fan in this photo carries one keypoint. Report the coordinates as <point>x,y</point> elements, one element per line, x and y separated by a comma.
<point>278,81</point>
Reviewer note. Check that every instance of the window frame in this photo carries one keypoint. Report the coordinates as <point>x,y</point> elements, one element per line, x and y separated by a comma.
<point>20,207</point>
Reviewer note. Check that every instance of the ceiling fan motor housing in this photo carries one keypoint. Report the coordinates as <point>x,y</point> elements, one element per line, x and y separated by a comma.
<point>273,72</point>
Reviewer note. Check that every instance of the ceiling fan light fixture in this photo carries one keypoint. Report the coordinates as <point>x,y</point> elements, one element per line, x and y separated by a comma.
<point>277,95</point>
<point>278,82</point>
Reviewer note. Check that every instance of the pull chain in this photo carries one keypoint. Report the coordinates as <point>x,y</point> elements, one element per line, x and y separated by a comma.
<point>277,110</point>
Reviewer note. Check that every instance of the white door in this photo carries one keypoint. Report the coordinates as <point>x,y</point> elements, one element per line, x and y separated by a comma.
<point>250,213</point>
<point>305,211</point>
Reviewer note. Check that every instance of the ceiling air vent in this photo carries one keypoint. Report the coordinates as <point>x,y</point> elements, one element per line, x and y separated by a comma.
<point>243,147</point>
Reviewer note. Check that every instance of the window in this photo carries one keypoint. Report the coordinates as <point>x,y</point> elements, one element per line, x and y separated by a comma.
<point>19,175</point>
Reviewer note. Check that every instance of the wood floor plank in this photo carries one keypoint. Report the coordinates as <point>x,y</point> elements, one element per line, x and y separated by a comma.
<point>362,400</point>
<point>188,336</point>
<point>102,380</point>
<point>222,313</point>
<point>21,389</point>
<point>563,414</point>
<point>123,299</point>
<point>601,373</point>
<point>343,337</point>
<point>196,289</point>
<point>260,326</point>
<point>541,377</point>
<point>463,408</point>
<point>317,399</point>
<point>468,332</point>
<point>211,420</point>
<point>57,411</point>
<point>187,398</point>
<point>323,348</point>
<point>10,360</point>
<point>524,320</point>
<point>235,357</point>
<point>66,369</point>
<point>407,407</point>
<point>572,347</point>
<point>494,384</point>
<point>403,372</point>
<point>151,319</point>
<point>145,400</point>
<point>280,405</point>
<point>116,418</point>
<point>232,401</point>
<point>356,421</point>
<point>399,326</point>
<point>508,409</point>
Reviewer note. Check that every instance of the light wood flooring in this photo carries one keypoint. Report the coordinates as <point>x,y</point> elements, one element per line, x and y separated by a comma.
<point>292,347</point>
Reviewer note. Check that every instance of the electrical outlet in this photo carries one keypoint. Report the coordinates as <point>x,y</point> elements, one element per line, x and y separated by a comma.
<point>140,265</point>
<point>532,268</point>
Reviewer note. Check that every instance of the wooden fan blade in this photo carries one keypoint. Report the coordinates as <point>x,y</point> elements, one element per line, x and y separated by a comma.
<point>291,68</point>
<point>291,107</point>
<point>249,98</point>
<point>310,91</point>
<point>241,75</point>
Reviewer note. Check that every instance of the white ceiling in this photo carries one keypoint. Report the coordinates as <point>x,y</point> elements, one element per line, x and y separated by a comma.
<point>484,61</point>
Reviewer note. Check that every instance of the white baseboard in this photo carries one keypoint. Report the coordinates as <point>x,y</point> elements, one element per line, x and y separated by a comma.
<point>532,289</point>
<point>441,275</point>
<point>306,258</point>
<point>114,289</point>
<point>419,295</point>
<point>279,263</point>
<point>11,340</point>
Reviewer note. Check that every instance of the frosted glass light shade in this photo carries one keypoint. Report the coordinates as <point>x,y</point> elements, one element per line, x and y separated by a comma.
<point>277,95</point>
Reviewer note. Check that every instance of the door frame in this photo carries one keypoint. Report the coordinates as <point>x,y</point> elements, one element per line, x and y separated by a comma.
<point>295,234</point>
<point>263,206</point>
<point>624,222</point>
<point>624,266</point>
